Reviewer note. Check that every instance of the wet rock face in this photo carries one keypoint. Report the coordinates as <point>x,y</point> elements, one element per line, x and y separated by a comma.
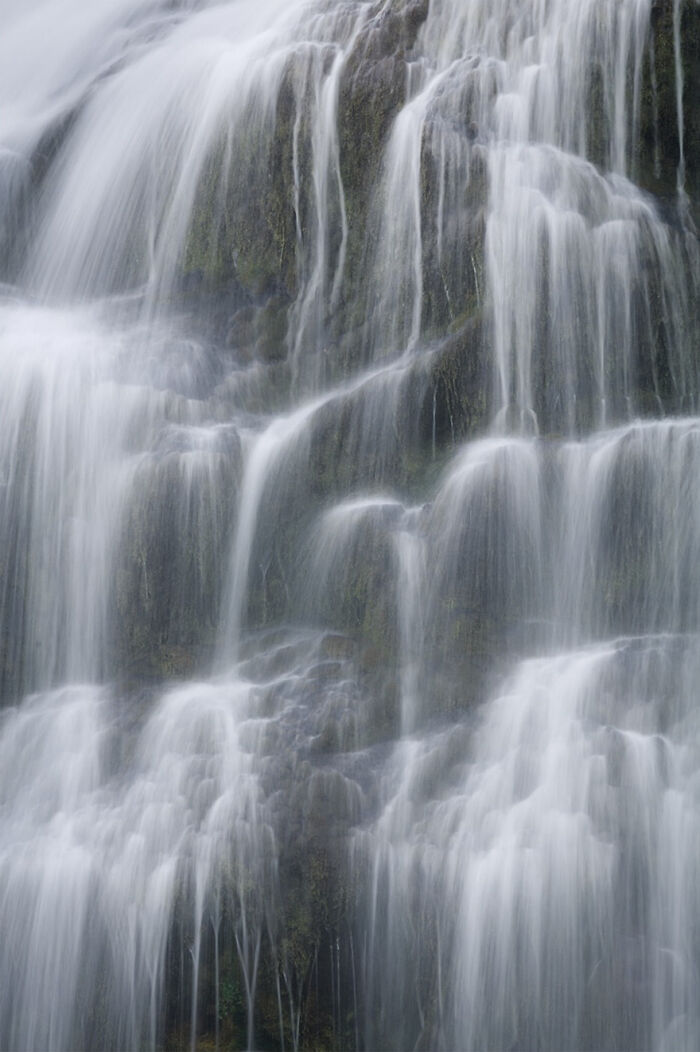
<point>265,246</point>
<point>168,581</point>
<point>690,37</point>
<point>674,44</point>
<point>372,89</point>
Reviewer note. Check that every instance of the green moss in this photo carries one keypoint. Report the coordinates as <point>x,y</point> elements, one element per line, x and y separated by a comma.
<point>239,236</point>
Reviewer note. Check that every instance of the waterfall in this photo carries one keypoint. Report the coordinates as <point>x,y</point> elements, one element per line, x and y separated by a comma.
<point>349,525</point>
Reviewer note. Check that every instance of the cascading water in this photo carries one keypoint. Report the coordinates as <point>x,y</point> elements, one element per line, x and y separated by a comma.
<point>349,524</point>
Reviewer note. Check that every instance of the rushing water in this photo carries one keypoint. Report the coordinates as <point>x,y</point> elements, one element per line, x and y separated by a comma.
<point>348,566</point>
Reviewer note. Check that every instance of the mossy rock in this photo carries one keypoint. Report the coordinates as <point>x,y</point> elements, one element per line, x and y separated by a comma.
<point>168,580</point>
<point>456,404</point>
<point>239,236</point>
<point>372,91</point>
<point>659,147</point>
